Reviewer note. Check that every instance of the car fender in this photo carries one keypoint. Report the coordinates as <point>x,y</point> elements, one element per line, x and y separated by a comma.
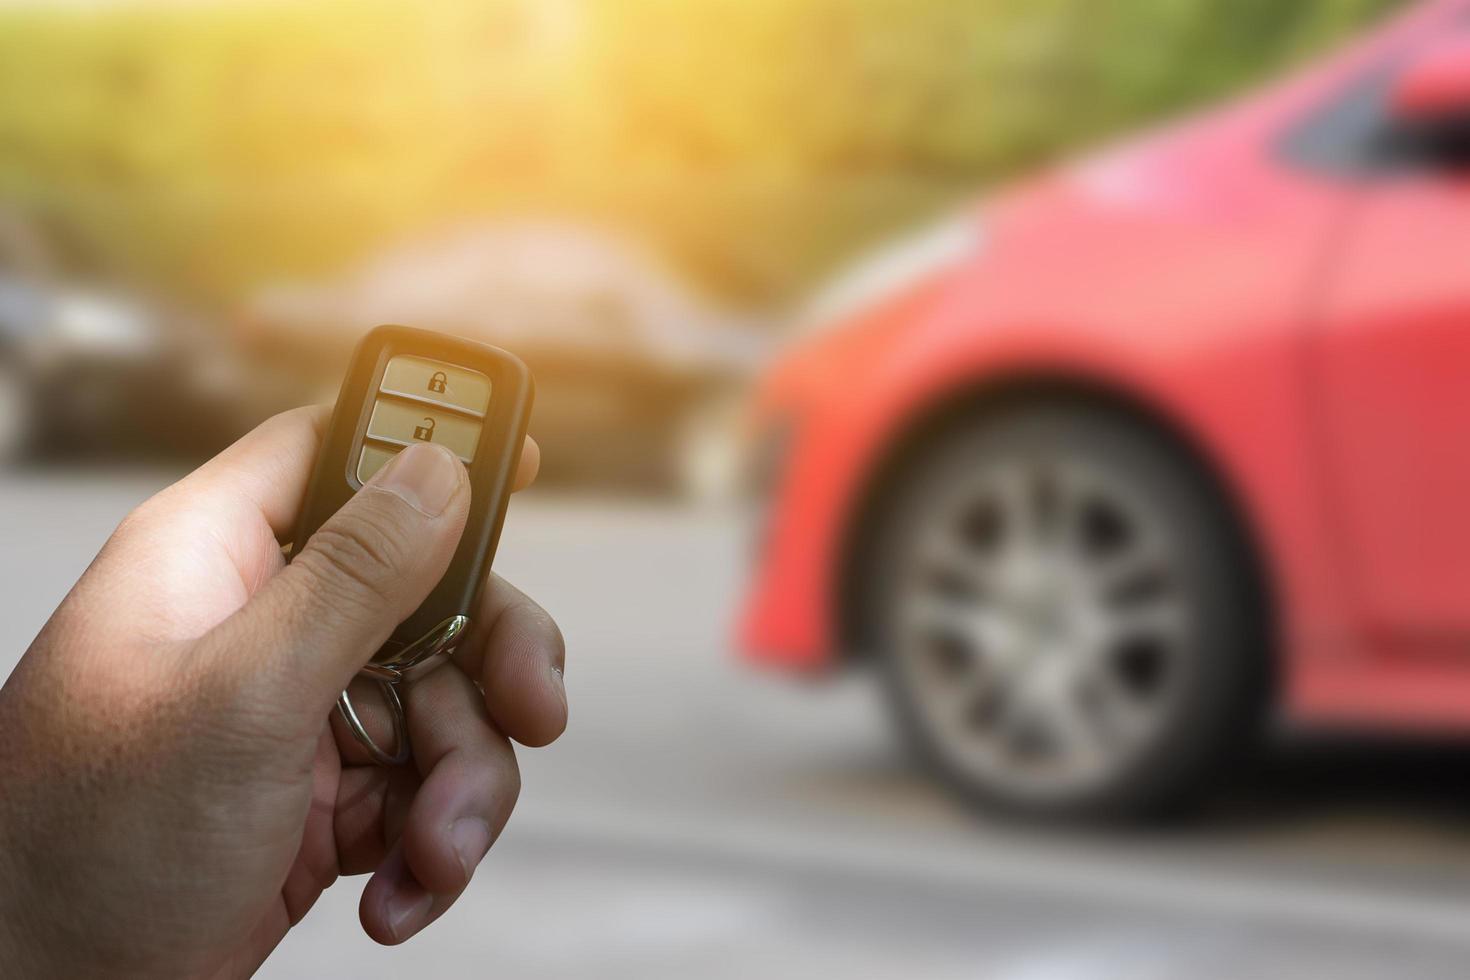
<point>1237,401</point>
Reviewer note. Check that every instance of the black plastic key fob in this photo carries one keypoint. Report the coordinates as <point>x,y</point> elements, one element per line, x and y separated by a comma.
<point>405,386</point>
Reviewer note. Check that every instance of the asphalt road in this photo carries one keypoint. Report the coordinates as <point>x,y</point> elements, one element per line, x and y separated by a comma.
<point>700,820</point>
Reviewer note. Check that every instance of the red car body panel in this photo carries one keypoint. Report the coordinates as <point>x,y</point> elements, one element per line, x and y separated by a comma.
<point>1292,325</point>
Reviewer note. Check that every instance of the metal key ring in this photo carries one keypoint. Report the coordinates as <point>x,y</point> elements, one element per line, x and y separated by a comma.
<point>415,660</point>
<point>402,750</point>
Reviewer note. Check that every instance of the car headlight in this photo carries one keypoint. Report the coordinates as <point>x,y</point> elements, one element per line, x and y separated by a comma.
<point>891,270</point>
<point>97,324</point>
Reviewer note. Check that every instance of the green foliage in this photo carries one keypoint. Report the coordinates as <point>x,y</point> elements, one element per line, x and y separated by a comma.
<point>216,146</point>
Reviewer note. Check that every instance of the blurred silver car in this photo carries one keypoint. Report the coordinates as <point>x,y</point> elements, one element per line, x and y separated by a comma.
<point>89,365</point>
<point>637,379</point>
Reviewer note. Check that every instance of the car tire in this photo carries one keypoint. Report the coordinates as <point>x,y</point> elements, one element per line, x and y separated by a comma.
<point>1028,561</point>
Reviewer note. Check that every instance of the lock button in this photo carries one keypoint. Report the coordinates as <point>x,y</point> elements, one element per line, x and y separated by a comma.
<point>423,380</point>
<point>401,423</point>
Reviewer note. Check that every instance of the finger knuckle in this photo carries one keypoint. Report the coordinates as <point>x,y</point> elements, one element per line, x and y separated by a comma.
<point>509,781</point>
<point>498,770</point>
<point>141,517</point>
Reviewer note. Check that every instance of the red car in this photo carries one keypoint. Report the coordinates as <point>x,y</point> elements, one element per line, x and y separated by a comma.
<point>1128,456</point>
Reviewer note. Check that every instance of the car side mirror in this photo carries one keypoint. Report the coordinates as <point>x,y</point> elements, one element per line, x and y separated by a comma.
<point>1433,91</point>
<point>1429,106</point>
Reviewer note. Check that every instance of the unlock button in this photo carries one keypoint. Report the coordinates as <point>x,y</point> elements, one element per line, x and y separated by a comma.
<point>404,423</point>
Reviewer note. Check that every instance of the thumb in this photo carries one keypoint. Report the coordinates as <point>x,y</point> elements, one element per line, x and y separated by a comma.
<point>361,574</point>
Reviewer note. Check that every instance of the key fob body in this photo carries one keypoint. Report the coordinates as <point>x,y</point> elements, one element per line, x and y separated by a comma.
<point>406,385</point>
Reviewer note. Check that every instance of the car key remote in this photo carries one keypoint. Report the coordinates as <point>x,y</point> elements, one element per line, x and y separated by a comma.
<point>404,386</point>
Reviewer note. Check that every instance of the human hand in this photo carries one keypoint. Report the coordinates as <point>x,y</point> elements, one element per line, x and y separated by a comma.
<point>173,796</point>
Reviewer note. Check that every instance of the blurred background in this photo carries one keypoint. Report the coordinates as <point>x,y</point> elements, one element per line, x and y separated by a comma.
<point>660,205</point>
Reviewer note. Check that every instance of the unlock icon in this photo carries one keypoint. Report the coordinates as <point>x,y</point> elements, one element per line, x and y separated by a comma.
<point>424,433</point>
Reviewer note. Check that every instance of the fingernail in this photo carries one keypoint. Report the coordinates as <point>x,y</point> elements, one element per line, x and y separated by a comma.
<point>561,682</point>
<point>406,911</point>
<point>424,475</point>
<point>471,839</point>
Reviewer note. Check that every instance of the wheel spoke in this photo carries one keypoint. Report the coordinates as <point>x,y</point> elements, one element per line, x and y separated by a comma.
<point>1121,567</point>
<point>935,612</point>
<point>1122,712</point>
<point>947,552</point>
<point>1015,709</point>
<point>1066,720</point>
<point>986,631</point>
<point>1071,497</point>
<point>1159,619</point>
<point>952,696</point>
<point>1017,506</point>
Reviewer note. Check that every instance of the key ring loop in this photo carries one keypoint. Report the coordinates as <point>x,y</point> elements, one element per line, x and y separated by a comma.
<point>401,750</point>
<point>415,660</point>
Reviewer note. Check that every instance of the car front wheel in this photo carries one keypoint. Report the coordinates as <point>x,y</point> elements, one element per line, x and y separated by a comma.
<point>1066,615</point>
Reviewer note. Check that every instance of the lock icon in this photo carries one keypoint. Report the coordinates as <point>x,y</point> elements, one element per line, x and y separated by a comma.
<point>424,433</point>
<point>437,382</point>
